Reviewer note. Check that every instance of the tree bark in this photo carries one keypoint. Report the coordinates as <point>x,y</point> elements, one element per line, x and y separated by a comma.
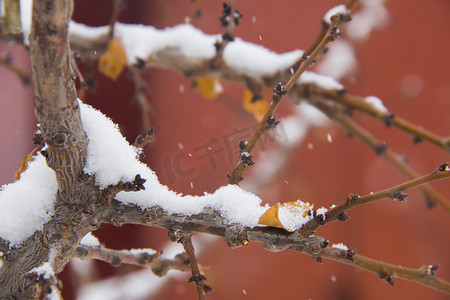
<point>58,113</point>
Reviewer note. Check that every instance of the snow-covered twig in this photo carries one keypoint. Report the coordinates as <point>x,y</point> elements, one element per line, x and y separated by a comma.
<point>140,257</point>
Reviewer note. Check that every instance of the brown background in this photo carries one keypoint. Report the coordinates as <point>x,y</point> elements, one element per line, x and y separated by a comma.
<point>416,43</point>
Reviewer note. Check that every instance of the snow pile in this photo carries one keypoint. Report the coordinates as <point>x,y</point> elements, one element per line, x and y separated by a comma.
<point>112,159</point>
<point>45,270</point>
<point>257,61</point>
<point>319,80</point>
<point>26,205</point>
<point>340,246</point>
<point>293,216</point>
<point>89,240</point>
<point>145,42</point>
<point>376,103</point>
<point>337,10</point>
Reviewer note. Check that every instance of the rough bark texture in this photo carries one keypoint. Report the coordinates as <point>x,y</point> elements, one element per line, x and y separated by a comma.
<point>57,111</point>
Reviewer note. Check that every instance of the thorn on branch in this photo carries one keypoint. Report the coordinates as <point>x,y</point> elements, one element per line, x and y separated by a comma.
<point>431,269</point>
<point>443,167</point>
<point>389,120</point>
<point>140,64</point>
<point>44,153</point>
<point>142,141</point>
<point>343,217</point>
<point>400,196</point>
<point>390,280</point>
<point>430,203</point>
<point>352,197</point>
<point>273,122</point>
<point>197,279</point>
<point>280,90</point>
<point>335,32</point>
<point>243,144</point>
<point>246,158</point>
<point>350,253</point>
<point>320,219</point>
<point>342,92</point>
<point>417,140</point>
<point>380,148</point>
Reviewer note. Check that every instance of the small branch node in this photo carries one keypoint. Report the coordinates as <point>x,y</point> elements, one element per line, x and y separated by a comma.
<point>343,217</point>
<point>280,90</point>
<point>350,254</point>
<point>399,195</point>
<point>246,158</point>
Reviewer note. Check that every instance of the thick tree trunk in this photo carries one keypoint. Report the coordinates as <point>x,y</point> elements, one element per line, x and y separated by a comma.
<point>57,111</point>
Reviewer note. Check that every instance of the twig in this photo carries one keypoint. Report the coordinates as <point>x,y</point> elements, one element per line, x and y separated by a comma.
<point>268,121</point>
<point>388,118</point>
<point>335,113</point>
<point>118,6</point>
<point>196,12</point>
<point>140,96</point>
<point>229,18</point>
<point>273,239</point>
<point>423,275</point>
<point>139,257</point>
<point>186,240</point>
<point>396,193</point>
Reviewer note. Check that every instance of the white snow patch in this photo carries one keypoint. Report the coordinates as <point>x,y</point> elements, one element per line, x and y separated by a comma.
<point>112,159</point>
<point>25,205</point>
<point>292,217</point>
<point>340,246</point>
<point>90,240</point>
<point>45,270</point>
<point>337,10</point>
<point>322,81</point>
<point>141,251</point>
<point>256,61</point>
<point>25,18</point>
<point>340,60</point>
<point>322,211</point>
<point>143,41</point>
<point>376,103</point>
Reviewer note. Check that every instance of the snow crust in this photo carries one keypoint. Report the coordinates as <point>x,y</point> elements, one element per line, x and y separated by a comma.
<point>292,217</point>
<point>340,246</point>
<point>112,159</point>
<point>376,103</point>
<point>26,204</point>
<point>90,240</point>
<point>254,60</point>
<point>45,270</point>
<point>340,9</point>
<point>322,81</point>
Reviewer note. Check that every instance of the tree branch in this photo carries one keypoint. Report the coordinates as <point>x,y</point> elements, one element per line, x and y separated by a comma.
<point>395,192</point>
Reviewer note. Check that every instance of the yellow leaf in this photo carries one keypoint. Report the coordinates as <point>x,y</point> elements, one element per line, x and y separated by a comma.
<point>209,87</point>
<point>24,163</point>
<point>112,62</point>
<point>257,108</point>
<point>289,215</point>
